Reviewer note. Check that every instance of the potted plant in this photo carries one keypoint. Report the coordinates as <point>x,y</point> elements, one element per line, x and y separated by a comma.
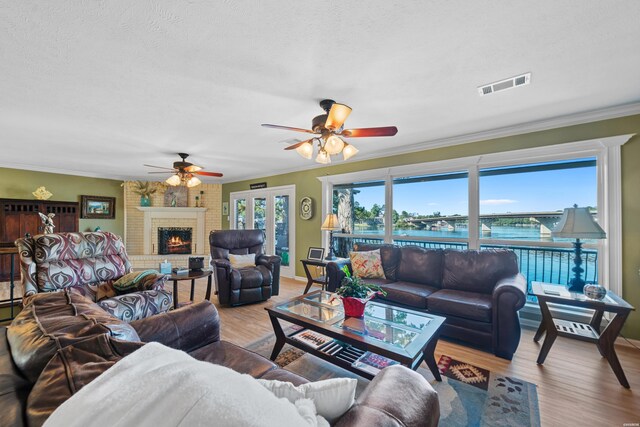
<point>355,294</point>
<point>145,189</point>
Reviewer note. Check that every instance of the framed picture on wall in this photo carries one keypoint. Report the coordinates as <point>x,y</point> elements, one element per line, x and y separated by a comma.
<point>97,207</point>
<point>315,254</point>
<point>225,208</point>
<point>176,197</point>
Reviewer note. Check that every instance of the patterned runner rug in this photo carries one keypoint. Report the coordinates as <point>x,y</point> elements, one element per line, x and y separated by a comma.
<point>469,395</point>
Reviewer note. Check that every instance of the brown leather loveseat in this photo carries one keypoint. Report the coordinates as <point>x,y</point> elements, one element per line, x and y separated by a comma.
<point>62,341</point>
<point>479,292</point>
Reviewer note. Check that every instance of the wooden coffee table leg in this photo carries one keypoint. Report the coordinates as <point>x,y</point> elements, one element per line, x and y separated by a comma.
<point>606,344</point>
<point>280,337</point>
<point>175,294</point>
<point>193,285</point>
<point>551,330</point>
<point>208,294</point>
<point>429,358</point>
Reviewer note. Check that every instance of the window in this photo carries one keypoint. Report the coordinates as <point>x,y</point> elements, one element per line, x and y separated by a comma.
<point>360,207</point>
<point>513,199</point>
<point>431,206</point>
<point>524,202</point>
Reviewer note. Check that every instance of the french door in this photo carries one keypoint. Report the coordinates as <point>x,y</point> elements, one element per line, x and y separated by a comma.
<point>271,210</point>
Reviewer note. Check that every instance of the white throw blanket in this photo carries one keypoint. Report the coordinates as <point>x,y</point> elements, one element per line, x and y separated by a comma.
<point>158,386</point>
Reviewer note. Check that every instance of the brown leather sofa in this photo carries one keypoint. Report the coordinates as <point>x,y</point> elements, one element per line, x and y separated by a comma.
<point>62,341</point>
<point>479,292</point>
<point>238,286</point>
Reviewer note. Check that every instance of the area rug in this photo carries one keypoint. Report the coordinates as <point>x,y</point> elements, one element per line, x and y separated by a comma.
<point>469,395</point>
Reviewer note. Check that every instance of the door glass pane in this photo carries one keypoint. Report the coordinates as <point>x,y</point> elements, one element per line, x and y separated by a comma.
<point>240,214</point>
<point>282,228</point>
<point>259,213</point>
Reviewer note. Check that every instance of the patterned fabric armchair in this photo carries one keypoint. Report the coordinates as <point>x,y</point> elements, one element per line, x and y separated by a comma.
<point>88,263</point>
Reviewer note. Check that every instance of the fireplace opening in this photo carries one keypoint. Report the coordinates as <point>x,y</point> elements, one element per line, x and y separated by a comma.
<point>174,240</point>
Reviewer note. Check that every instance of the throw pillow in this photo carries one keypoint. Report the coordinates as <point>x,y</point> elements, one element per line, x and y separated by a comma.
<point>136,281</point>
<point>367,265</point>
<point>332,397</point>
<point>241,261</point>
<point>168,387</point>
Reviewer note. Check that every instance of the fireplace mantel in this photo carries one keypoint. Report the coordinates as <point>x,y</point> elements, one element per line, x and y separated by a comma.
<point>173,213</point>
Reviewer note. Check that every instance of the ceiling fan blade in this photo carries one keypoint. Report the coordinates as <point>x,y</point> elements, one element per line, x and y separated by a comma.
<point>298,144</point>
<point>158,167</point>
<point>208,173</point>
<point>364,132</point>
<point>287,128</point>
<point>193,168</point>
<point>337,115</point>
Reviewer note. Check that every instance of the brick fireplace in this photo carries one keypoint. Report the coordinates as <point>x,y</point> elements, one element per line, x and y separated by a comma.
<point>142,224</point>
<point>171,234</point>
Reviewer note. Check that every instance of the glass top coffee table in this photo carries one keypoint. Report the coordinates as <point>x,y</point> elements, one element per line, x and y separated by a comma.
<point>386,335</point>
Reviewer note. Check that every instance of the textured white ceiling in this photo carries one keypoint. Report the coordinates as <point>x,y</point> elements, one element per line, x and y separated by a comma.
<point>101,87</point>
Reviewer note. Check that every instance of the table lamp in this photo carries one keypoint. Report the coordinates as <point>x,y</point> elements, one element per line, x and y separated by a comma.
<point>578,223</point>
<point>330,224</point>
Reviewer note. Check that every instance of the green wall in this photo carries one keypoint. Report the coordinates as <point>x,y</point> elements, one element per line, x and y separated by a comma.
<point>19,184</point>
<point>307,184</point>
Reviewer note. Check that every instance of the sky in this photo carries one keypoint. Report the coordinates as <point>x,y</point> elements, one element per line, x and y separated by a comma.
<point>523,192</point>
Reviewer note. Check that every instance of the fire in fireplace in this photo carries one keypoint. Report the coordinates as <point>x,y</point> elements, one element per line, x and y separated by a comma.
<point>174,240</point>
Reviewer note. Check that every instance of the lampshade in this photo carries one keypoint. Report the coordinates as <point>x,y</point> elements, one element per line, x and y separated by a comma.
<point>305,150</point>
<point>577,223</point>
<point>333,145</point>
<point>323,157</point>
<point>193,181</point>
<point>337,115</point>
<point>349,151</point>
<point>330,223</point>
<point>173,180</point>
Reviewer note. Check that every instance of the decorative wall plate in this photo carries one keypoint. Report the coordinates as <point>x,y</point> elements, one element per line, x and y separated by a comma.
<point>306,208</point>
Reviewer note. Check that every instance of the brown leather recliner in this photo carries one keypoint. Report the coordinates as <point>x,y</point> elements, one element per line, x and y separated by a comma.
<point>238,286</point>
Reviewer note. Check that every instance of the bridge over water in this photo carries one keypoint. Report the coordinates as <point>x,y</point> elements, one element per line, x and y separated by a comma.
<point>547,221</point>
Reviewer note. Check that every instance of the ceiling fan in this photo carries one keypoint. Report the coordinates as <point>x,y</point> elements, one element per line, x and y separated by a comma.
<point>184,172</point>
<point>330,130</point>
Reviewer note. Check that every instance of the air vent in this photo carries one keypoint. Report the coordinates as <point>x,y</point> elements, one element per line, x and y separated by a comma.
<point>505,84</point>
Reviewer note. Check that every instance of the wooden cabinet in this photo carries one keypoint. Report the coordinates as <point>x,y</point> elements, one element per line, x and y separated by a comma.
<point>18,217</point>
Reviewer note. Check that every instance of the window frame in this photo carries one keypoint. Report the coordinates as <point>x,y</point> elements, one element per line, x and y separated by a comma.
<point>606,151</point>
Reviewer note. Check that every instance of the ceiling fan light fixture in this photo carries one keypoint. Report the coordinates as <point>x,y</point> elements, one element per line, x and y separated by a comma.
<point>173,180</point>
<point>333,145</point>
<point>193,181</point>
<point>305,150</point>
<point>349,151</point>
<point>323,157</point>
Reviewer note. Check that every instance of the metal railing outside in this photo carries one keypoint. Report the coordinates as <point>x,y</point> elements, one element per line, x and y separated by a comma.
<point>552,265</point>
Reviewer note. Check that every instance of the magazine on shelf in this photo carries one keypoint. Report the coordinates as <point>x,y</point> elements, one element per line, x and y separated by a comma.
<point>373,363</point>
<point>311,338</point>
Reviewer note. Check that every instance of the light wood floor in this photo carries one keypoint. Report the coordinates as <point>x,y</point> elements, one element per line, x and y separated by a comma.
<point>576,387</point>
